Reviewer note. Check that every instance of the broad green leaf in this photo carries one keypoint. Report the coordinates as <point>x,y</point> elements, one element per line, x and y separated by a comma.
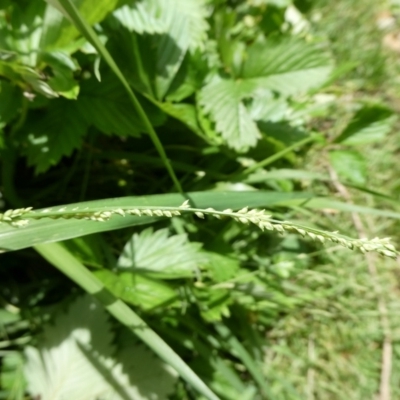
<point>266,107</point>
<point>71,267</point>
<point>160,255</point>
<point>185,113</point>
<point>221,268</point>
<point>370,124</point>
<point>49,230</point>
<point>58,32</point>
<point>178,25</point>
<point>53,134</point>
<point>88,32</point>
<point>137,289</point>
<point>216,306</point>
<point>349,165</point>
<point>141,17</point>
<point>223,101</point>
<point>63,69</point>
<point>288,66</point>
<point>22,30</point>
<point>106,105</point>
<point>26,77</point>
<point>10,101</point>
<point>11,375</point>
<point>84,326</point>
<point>74,361</point>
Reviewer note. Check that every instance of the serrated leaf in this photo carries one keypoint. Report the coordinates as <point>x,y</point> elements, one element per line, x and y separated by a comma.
<point>54,134</point>
<point>185,113</point>
<point>288,67</point>
<point>22,30</point>
<point>74,361</point>
<point>350,165</point>
<point>179,25</point>
<point>220,267</point>
<point>223,101</point>
<point>63,69</point>
<point>140,17</point>
<point>370,124</point>
<point>161,256</point>
<point>58,32</point>
<point>216,306</point>
<point>12,379</point>
<point>106,105</point>
<point>137,289</point>
<point>10,101</point>
<point>58,368</point>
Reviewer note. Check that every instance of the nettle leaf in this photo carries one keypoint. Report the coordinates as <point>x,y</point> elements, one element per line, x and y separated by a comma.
<point>63,68</point>
<point>370,124</point>
<point>22,30</point>
<point>161,256</point>
<point>140,17</point>
<point>74,361</point>
<point>10,101</point>
<point>106,105</point>
<point>53,133</point>
<point>60,368</point>
<point>177,26</point>
<point>287,67</point>
<point>11,377</point>
<point>59,32</point>
<point>350,165</point>
<point>137,289</point>
<point>223,101</point>
<point>221,268</point>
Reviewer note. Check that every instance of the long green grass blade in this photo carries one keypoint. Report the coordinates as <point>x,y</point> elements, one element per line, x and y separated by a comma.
<point>70,266</point>
<point>87,31</point>
<point>49,230</point>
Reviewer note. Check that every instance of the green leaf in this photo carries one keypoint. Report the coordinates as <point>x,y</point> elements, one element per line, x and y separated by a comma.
<point>58,32</point>
<point>349,165</point>
<point>160,255</point>
<point>49,230</point>
<point>137,289</point>
<point>288,66</point>
<point>216,305</point>
<point>82,338</point>
<point>21,30</point>
<point>26,77</point>
<point>370,124</point>
<point>53,134</point>
<point>106,105</point>
<point>185,113</point>
<point>85,325</point>
<point>220,267</point>
<point>179,25</point>
<point>12,379</point>
<point>63,68</point>
<point>10,101</point>
<point>71,267</point>
<point>223,101</point>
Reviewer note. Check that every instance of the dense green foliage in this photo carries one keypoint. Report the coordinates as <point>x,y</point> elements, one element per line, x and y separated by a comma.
<point>179,121</point>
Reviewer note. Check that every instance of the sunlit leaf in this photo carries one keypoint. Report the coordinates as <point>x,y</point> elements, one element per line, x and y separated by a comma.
<point>287,66</point>
<point>369,124</point>
<point>158,254</point>
<point>223,101</point>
